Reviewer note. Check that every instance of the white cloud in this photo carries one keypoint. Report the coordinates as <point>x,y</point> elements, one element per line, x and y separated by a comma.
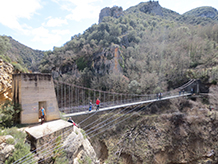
<point>61,32</point>
<point>81,9</point>
<point>43,35</point>
<point>12,10</point>
<point>54,22</point>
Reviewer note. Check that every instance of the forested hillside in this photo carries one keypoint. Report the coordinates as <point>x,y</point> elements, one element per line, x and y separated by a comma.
<point>145,49</point>
<point>12,58</point>
<point>24,55</point>
<point>141,50</point>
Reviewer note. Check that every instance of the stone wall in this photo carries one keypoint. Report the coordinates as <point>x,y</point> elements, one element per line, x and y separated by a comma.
<point>32,91</point>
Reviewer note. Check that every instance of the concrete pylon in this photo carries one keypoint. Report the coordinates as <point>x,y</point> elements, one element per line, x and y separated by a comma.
<point>31,91</point>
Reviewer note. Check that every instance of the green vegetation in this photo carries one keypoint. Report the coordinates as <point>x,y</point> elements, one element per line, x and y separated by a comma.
<point>21,148</point>
<point>10,141</point>
<point>203,11</point>
<point>23,55</point>
<point>5,48</point>
<point>86,160</point>
<point>9,114</point>
<point>59,155</point>
<point>154,52</point>
<point>151,48</point>
<point>83,133</point>
<point>4,44</point>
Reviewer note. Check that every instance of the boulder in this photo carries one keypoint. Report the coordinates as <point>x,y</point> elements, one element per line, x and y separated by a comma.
<point>78,148</point>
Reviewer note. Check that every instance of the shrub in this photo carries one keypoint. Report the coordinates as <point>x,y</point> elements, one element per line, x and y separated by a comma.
<point>9,114</point>
<point>83,133</point>
<point>10,141</point>
<point>5,58</point>
<point>214,82</point>
<point>20,151</point>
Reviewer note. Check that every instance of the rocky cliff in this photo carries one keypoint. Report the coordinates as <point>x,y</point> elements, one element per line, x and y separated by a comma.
<point>6,71</point>
<point>115,12</point>
<point>167,132</point>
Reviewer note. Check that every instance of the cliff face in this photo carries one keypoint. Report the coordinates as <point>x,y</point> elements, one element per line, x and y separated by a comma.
<point>6,71</point>
<point>108,61</point>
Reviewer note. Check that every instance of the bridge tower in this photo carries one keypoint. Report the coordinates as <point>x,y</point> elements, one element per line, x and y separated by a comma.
<point>33,90</point>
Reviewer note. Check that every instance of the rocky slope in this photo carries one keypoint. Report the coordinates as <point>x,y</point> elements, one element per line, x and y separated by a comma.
<point>6,71</point>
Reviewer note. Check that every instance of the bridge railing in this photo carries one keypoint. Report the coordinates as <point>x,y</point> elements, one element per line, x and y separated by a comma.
<point>73,98</point>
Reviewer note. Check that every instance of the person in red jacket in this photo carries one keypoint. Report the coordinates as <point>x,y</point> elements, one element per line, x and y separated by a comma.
<point>97,103</point>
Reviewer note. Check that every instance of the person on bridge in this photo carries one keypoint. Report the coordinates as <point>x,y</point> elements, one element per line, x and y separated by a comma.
<point>43,114</point>
<point>97,104</point>
<point>90,105</point>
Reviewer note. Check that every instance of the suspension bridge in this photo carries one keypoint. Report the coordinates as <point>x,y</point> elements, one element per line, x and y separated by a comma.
<point>74,100</point>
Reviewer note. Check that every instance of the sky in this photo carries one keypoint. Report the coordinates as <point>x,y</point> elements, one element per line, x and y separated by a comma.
<point>43,24</point>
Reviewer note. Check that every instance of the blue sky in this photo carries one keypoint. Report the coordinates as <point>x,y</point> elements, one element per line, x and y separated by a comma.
<point>43,24</point>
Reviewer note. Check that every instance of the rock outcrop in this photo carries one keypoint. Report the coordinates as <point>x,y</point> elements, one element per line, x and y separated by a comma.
<point>115,12</point>
<point>6,71</point>
<point>78,148</point>
<point>5,148</point>
<point>152,7</point>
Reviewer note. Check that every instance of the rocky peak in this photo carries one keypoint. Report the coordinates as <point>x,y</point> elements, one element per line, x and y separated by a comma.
<point>151,7</point>
<point>115,12</point>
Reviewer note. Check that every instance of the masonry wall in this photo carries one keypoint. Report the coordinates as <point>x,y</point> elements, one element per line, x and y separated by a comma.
<point>29,89</point>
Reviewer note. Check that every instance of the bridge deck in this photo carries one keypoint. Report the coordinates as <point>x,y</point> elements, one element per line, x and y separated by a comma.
<point>125,105</point>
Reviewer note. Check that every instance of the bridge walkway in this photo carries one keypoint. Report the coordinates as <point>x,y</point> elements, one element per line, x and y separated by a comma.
<point>126,105</point>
